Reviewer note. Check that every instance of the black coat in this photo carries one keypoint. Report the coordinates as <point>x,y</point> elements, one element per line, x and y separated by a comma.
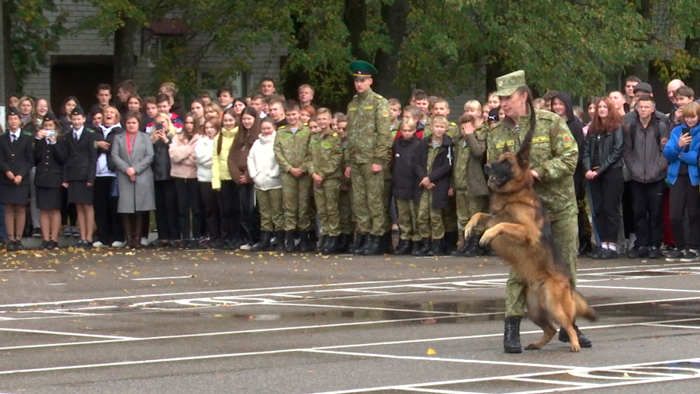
<point>17,157</point>
<point>440,172</point>
<point>110,140</point>
<point>609,147</point>
<point>576,128</point>
<point>49,160</point>
<point>161,161</point>
<point>405,179</point>
<point>81,157</point>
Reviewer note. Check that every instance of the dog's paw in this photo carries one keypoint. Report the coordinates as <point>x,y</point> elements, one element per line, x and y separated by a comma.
<point>488,236</point>
<point>532,346</point>
<point>575,348</point>
<point>469,229</point>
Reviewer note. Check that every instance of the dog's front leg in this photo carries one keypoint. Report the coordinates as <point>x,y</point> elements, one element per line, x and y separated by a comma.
<point>476,220</point>
<point>516,231</point>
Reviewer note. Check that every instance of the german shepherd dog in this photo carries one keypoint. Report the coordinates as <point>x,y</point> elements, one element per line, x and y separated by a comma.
<point>518,229</point>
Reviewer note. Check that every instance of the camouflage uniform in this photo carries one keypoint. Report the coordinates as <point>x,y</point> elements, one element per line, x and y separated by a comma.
<point>471,193</point>
<point>430,224</point>
<point>290,151</point>
<point>270,207</point>
<point>347,223</point>
<point>323,158</point>
<point>553,155</point>
<point>369,138</point>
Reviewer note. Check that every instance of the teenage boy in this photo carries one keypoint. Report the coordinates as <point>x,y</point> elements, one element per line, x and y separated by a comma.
<point>151,112</point>
<point>442,107</point>
<point>125,89</point>
<point>225,96</point>
<point>104,99</point>
<point>163,105</point>
<point>267,87</point>
<point>434,170</point>
<point>347,225</point>
<point>277,113</point>
<point>683,95</point>
<point>421,101</point>
<point>322,161</point>
<point>395,114</point>
<point>171,90</point>
<point>256,101</point>
<point>643,155</point>
<point>291,145</point>
<point>411,112</point>
<point>468,182</point>
<point>306,95</point>
<point>405,186</point>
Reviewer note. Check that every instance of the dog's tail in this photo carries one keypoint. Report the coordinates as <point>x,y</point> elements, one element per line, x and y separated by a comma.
<point>582,308</point>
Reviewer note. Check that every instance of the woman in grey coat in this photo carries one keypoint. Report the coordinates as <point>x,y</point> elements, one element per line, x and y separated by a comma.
<point>132,155</point>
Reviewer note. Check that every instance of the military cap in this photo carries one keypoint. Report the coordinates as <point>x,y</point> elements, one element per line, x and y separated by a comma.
<point>643,87</point>
<point>509,83</point>
<point>78,111</point>
<point>362,69</point>
<point>49,117</point>
<point>11,111</point>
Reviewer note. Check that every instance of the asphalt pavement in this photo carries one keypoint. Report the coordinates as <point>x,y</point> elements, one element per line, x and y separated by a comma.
<point>201,321</point>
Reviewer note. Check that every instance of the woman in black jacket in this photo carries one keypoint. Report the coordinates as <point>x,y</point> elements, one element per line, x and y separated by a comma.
<point>434,172</point>
<point>49,156</point>
<point>165,191</point>
<point>602,162</point>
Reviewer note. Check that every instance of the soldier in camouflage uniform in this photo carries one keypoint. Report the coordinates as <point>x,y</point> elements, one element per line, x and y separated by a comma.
<point>291,144</point>
<point>553,159</point>
<point>323,163</point>
<point>347,220</point>
<point>369,149</point>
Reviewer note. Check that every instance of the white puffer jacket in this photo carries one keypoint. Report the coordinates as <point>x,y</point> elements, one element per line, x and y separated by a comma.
<point>262,164</point>
<point>203,151</point>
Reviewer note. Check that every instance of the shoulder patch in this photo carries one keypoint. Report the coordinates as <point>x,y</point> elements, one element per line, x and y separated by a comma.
<point>335,134</point>
<point>567,141</point>
<point>385,113</point>
<point>282,127</point>
<point>453,124</point>
<point>26,133</point>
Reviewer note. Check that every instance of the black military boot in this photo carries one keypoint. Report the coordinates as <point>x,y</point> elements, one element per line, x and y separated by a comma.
<point>585,247</point>
<point>403,248</point>
<point>462,250</point>
<point>387,244</point>
<point>373,246</point>
<point>264,243</point>
<point>511,335</point>
<point>473,248</point>
<point>450,242</point>
<point>312,239</point>
<point>289,240</point>
<point>360,243</point>
<point>279,236</point>
<point>332,247</point>
<point>437,248</point>
<point>304,243</point>
<point>324,244</point>
<point>416,248</point>
<point>343,243</point>
<point>424,247</point>
<point>582,340</point>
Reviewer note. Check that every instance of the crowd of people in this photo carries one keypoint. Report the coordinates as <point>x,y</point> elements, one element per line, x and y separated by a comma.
<point>269,173</point>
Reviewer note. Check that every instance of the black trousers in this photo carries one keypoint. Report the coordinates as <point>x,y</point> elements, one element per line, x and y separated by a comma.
<point>685,196</point>
<point>249,215</point>
<point>606,194</point>
<point>188,200</point>
<point>627,210</point>
<point>108,220</point>
<point>648,204</point>
<point>69,214</point>
<point>230,210</point>
<point>166,210</point>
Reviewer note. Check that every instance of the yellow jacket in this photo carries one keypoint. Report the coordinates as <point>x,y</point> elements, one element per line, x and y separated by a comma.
<point>219,166</point>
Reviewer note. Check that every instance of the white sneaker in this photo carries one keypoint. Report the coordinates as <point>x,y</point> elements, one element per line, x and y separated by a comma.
<point>118,244</point>
<point>246,247</point>
<point>144,241</point>
<point>98,244</point>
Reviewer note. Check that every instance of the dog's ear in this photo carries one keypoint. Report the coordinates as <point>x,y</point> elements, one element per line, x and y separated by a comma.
<point>524,155</point>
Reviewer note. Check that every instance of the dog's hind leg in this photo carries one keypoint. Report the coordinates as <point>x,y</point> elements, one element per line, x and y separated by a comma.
<point>549,331</point>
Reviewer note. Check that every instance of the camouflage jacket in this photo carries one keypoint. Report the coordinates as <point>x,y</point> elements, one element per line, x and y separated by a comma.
<point>452,131</point>
<point>369,130</point>
<point>324,155</point>
<point>468,171</point>
<point>554,155</point>
<point>290,149</point>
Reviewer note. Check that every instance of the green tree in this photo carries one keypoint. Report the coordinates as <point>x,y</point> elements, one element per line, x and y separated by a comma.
<point>30,36</point>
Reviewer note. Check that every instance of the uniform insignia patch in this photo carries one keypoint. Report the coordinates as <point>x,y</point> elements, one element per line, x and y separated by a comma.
<point>385,113</point>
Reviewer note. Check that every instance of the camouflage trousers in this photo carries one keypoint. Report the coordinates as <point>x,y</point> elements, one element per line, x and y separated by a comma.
<point>566,240</point>
<point>270,207</point>
<point>346,223</point>
<point>408,220</point>
<point>327,197</point>
<point>368,199</point>
<point>468,206</point>
<point>430,224</point>
<point>296,194</point>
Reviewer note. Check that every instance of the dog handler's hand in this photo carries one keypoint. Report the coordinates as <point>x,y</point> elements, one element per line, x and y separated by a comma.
<point>535,174</point>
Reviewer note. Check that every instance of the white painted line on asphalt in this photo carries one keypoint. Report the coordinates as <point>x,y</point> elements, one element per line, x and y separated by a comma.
<point>371,308</point>
<point>553,382</point>
<point>70,334</point>
<point>449,360</point>
<point>165,278</point>
<point>662,325</point>
<point>646,301</point>
<point>640,288</point>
